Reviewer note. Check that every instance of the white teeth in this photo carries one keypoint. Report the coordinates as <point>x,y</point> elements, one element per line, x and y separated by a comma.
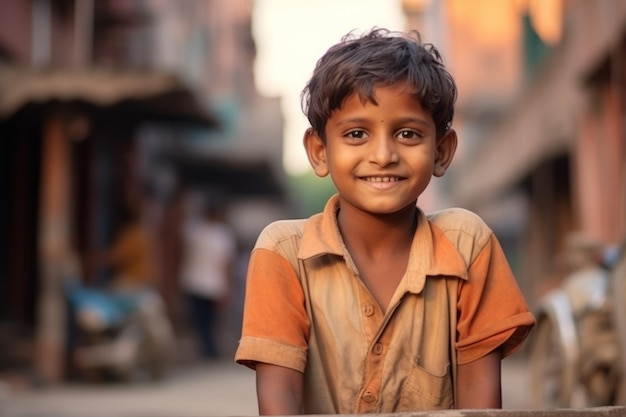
<point>382,179</point>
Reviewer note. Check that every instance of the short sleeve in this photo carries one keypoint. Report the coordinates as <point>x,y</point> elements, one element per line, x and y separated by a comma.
<point>275,323</point>
<point>492,310</point>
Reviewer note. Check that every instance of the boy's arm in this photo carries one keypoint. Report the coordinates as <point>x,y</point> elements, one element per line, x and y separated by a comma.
<point>279,390</point>
<point>478,384</point>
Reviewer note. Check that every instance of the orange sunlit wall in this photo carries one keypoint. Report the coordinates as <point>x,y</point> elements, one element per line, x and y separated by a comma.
<point>485,42</point>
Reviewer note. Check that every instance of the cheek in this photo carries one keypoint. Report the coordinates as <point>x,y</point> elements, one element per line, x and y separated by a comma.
<point>423,157</point>
<point>340,157</point>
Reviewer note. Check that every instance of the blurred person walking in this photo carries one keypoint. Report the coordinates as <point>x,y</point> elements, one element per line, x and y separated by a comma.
<point>209,253</point>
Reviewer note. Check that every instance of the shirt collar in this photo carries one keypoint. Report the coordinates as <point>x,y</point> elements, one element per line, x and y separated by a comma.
<point>432,253</point>
<point>321,233</point>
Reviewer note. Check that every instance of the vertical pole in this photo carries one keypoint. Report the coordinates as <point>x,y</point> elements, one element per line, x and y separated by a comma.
<point>53,250</point>
<point>83,33</point>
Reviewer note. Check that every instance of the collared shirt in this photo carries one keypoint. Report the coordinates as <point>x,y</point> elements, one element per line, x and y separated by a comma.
<point>306,309</point>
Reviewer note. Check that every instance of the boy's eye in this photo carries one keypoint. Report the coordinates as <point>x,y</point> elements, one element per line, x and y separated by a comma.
<point>409,134</point>
<point>356,134</point>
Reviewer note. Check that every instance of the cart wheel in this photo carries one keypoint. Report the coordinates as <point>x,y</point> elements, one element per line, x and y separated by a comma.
<point>554,383</point>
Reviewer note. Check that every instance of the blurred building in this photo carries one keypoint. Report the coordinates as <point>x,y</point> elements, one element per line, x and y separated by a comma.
<point>103,102</point>
<point>541,120</point>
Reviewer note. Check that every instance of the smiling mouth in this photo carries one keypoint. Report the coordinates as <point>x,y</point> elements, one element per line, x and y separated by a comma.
<point>382,179</point>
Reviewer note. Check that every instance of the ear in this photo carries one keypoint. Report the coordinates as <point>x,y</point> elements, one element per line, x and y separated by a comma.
<point>316,152</point>
<point>446,147</point>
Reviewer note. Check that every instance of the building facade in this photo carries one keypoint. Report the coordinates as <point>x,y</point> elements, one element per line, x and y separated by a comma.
<point>105,101</point>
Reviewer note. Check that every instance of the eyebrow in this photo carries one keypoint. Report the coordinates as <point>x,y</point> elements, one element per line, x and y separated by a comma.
<point>417,120</point>
<point>352,120</point>
<point>403,120</point>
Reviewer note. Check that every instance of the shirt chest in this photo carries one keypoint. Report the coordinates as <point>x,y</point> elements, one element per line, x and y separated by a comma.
<point>376,355</point>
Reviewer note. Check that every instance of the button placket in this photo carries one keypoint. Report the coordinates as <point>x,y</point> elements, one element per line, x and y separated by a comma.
<point>372,318</point>
<point>369,397</point>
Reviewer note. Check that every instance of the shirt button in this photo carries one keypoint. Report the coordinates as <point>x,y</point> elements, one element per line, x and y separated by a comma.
<point>378,348</point>
<point>369,397</point>
<point>368,310</point>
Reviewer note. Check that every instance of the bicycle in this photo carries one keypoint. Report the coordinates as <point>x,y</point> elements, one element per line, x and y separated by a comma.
<point>578,350</point>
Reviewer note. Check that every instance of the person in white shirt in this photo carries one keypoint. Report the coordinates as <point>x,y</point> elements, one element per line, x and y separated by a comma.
<point>209,252</point>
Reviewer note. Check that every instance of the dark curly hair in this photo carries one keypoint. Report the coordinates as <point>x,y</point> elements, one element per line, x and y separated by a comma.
<point>379,58</point>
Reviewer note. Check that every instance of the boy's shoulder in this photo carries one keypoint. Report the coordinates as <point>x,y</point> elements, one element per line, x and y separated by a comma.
<point>464,228</point>
<point>281,231</point>
<point>457,218</point>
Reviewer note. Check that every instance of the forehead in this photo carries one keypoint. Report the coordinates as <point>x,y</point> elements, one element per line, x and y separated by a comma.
<point>400,97</point>
<point>393,107</point>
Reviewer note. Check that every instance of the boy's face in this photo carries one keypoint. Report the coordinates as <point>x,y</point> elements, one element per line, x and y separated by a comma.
<point>381,156</point>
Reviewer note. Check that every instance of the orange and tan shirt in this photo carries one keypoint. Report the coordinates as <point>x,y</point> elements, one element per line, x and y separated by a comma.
<point>306,309</point>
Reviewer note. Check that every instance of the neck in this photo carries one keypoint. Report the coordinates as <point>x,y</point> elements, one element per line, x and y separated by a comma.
<point>374,233</point>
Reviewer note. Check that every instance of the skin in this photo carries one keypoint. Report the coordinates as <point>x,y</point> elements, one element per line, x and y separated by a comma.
<point>380,157</point>
<point>279,390</point>
<point>479,384</point>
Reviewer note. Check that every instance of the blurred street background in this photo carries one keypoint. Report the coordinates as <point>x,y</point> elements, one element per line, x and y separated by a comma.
<point>135,133</point>
<point>217,389</point>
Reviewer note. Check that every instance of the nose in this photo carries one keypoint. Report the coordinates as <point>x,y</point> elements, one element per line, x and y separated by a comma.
<point>384,152</point>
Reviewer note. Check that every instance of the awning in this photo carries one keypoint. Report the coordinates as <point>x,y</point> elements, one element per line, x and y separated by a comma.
<point>541,126</point>
<point>152,95</point>
<point>231,175</point>
<point>506,156</point>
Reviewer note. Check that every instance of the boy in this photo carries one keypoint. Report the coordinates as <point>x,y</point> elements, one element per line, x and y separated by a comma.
<point>372,306</point>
